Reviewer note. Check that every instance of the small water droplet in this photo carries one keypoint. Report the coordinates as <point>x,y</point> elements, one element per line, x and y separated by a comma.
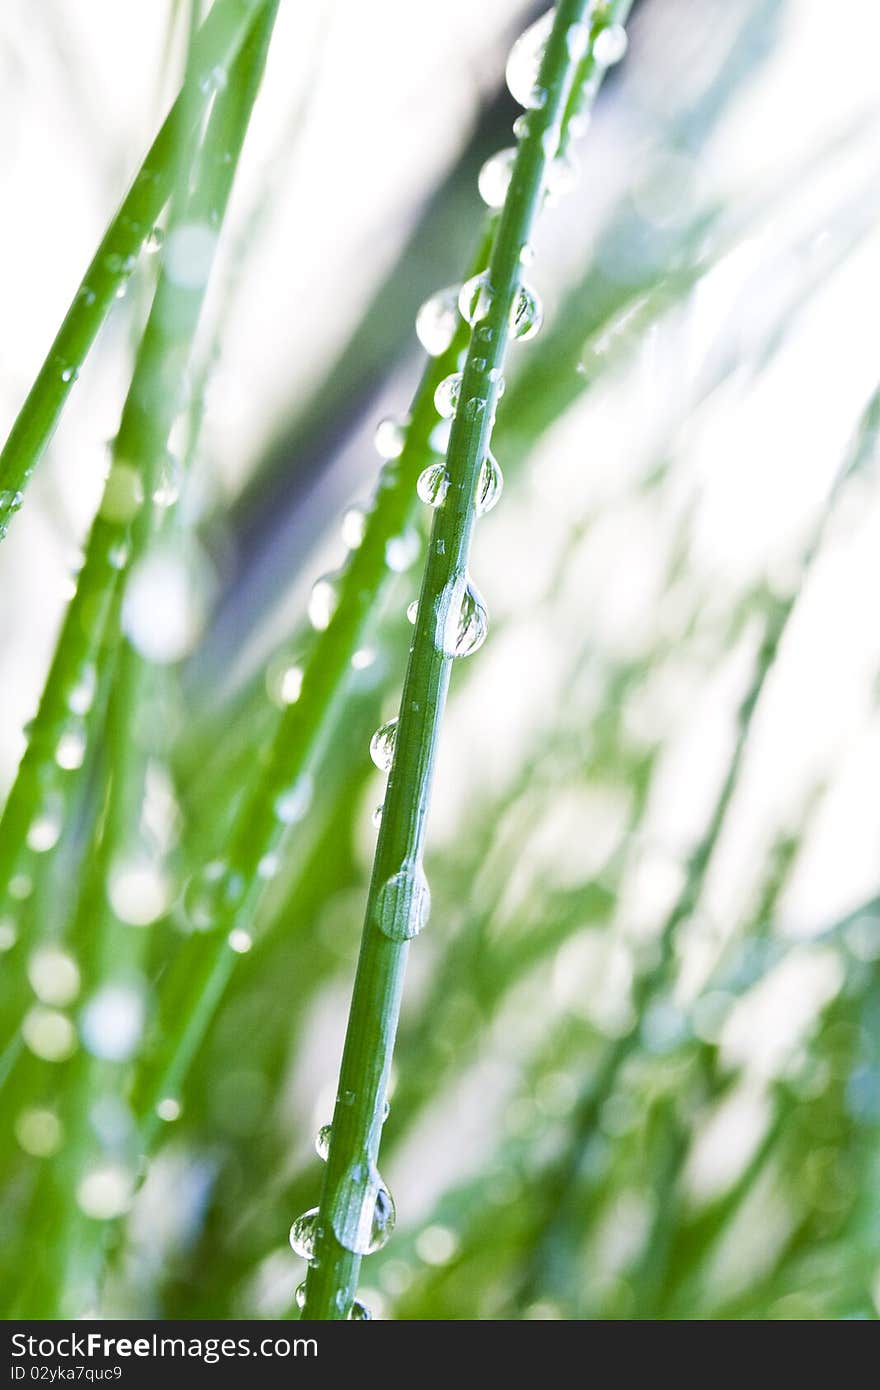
<point>211,894</point>
<point>45,829</point>
<point>53,975</point>
<point>299,1296</point>
<point>610,46</point>
<point>383,743</point>
<point>322,1142</point>
<point>138,889</point>
<point>433,484</point>
<point>437,321</point>
<point>360,1312</point>
<point>362,1211</point>
<point>389,438</point>
<point>489,485</point>
<point>268,866</point>
<point>362,659</point>
<point>322,602</point>
<point>462,619</point>
<point>69,374</point>
<point>577,40</point>
<point>154,240</point>
<point>48,1033</point>
<point>401,552</point>
<point>526,316</point>
<point>239,941</point>
<point>494,177</point>
<point>82,694</point>
<point>168,483</point>
<point>305,1233</point>
<point>412,611</point>
<point>293,803</point>
<point>562,176</point>
<point>354,528</point>
<point>403,903</point>
<point>475,299</point>
<point>524,62</point>
<point>70,750</point>
<point>447,394</point>
<point>168,1109</point>
<point>376,817</point>
<point>117,556</point>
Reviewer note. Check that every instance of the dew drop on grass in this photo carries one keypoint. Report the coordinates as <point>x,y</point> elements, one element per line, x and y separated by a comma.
<point>437,321</point>
<point>389,439</point>
<point>299,1296</point>
<point>69,374</point>
<point>524,62</point>
<point>475,299</point>
<point>105,1192</point>
<point>360,1312</point>
<point>383,744</point>
<point>112,1022</point>
<point>412,611</point>
<point>401,552</point>
<point>322,602</point>
<point>490,484</point>
<point>48,1034</point>
<point>354,527</point>
<point>81,695</point>
<point>433,484</point>
<point>403,903</point>
<point>138,889</point>
<point>45,829</point>
<point>168,1109</point>
<point>167,488</point>
<point>462,619</point>
<point>304,1234</point>
<point>53,975</point>
<point>322,1142</point>
<point>577,40</point>
<point>210,895</point>
<point>376,817</point>
<point>39,1132</point>
<point>362,1211</point>
<point>447,394</point>
<point>494,177</point>
<point>155,240</point>
<point>8,934</point>
<point>239,941</point>
<point>610,46</point>
<point>70,750</point>
<point>293,803</point>
<point>562,176</point>
<point>526,315</point>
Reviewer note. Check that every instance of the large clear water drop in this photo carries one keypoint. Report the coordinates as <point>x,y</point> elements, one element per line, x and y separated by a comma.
<point>475,299</point>
<point>447,395</point>
<point>524,63</point>
<point>403,903</point>
<point>490,484</point>
<point>437,321</point>
<point>526,315</point>
<point>433,484</point>
<point>304,1234</point>
<point>494,177</point>
<point>383,744</point>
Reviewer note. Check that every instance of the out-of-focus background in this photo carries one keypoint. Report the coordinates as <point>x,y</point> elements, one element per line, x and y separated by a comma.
<point>581,1126</point>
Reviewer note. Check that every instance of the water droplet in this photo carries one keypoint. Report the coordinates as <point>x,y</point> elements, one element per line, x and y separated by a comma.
<point>437,321</point>
<point>189,252</point>
<point>239,941</point>
<point>489,485</point>
<point>362,1211</point>
<point>610,46</point>
<point>211,894</point>
<point>20,887</point>
<point>293,803</point>
<point>403,903</point>
<point>383,743</point>
<point>53,975</point>
<point>389,439</point>
<point>117,556</point>
<point>155,240</point>
<point>81,696</point>
<point>39,1132</point>
<point>475,299</point>
<point>562,176</point>
<point>86,296</point>
<point>106,1192</point>
<point>463,620</point>
<point>48,1034</point>
<point>299,1296</point>
<point>433,484</point>
<point>401,552</point>
<point>165,604</point>
<point>524,62</point>
<point>70,750</point>
<point>526,316</point>
<point>268,866</point>
<point>360,1312</point>
<point>8,934</point>
<point>123,494</point>
<point>305,1233</point>
<point>112,1022</point>
<point>362,659</point>
<point>577,40</point>
<point>522,126</point>
<point>447,394</point>
<point>322,602</point>
<point>354,528</point>
<point>168,1109</point>
<point>322,1142</point>
<point>376,817</point>
<point>494,177</point>
<point>45,828</point>
<point>138,889</point>
<point>69,374</point>
<point>412,611</point>
<point>168,484</point>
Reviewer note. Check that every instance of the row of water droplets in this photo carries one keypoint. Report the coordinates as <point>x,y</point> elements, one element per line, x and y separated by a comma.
<point>361,1210</point>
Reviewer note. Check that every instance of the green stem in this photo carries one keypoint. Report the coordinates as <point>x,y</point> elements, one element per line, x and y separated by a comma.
<point>397,899</point>
<point>216,46</point>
